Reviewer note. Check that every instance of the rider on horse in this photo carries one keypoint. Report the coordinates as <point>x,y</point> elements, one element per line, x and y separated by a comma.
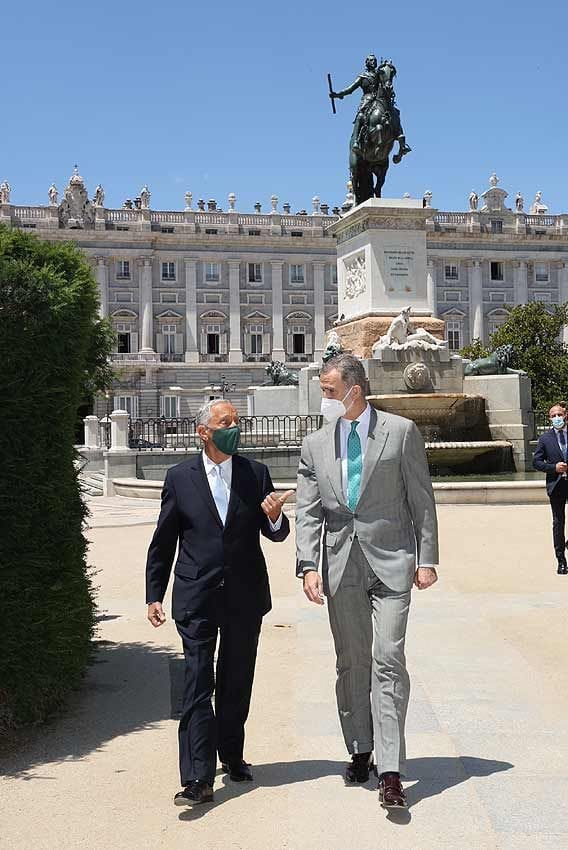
<point>376,84</point>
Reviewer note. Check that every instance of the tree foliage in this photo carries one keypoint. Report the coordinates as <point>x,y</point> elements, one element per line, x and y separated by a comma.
<point>535,330</point>
<point>53,350</point>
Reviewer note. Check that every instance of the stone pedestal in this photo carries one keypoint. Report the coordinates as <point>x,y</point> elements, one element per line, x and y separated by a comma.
<point>272,401</point>
<point>388,370</point>
<point>508,404</point>
<point>382,268</point>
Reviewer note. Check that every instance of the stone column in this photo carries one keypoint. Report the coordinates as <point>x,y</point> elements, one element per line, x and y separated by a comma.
<point>146,317</point>
<point>431,287</point>
<point>235,350</point>
<point>521,282</point>
<point>118,430</point>
<point>191,349</point>
<point>319,311</point>
<point>278,352</point>
<point>476,301</point>
<point>563,294</point>
<point>92,428</point>
<point>102,278</point>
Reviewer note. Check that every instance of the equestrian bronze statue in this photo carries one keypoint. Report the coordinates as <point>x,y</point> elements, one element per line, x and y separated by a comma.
<point>376,128</point>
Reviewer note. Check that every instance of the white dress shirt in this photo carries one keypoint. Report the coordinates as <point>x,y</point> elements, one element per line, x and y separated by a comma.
<point>225,472</point>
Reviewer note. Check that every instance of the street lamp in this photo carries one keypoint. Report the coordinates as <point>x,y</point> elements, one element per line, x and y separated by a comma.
<point>225,387</point>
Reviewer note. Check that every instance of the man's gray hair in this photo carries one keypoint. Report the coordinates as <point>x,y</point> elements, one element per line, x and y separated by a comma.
<point>204,413</point>
<point>349,367</point>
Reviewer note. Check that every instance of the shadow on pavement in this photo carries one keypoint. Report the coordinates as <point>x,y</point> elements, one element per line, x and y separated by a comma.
<point>434,775</point>
<point>126,690</point>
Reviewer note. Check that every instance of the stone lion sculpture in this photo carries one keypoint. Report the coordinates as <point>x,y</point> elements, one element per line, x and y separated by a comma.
<point>497,363</point>
<point>280,375</point>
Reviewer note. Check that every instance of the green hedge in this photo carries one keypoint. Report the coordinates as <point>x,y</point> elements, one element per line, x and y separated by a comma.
<point>48,325</point>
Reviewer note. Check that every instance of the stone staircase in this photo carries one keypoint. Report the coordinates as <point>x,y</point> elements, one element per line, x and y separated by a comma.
<point>91,483</point>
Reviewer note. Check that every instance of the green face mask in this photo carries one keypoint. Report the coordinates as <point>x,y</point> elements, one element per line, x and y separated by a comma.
<point>226,439</point>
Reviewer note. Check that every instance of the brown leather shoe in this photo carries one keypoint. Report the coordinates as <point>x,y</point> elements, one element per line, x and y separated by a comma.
<point>391,792</point>
<point>359,769</point>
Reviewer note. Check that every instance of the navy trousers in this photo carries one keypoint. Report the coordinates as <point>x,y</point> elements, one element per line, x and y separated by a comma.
<point>558,499</point>
<point>203,731</point>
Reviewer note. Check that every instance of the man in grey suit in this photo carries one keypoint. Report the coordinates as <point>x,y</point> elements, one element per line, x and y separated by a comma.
<point>363,480</point>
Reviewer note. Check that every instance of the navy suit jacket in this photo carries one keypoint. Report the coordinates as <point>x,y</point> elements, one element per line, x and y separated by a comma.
<point>208,552</point>
<point>547,454</point>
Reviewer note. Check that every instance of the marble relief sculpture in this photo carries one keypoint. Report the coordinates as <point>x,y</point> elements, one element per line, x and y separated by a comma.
<point>402,335</point>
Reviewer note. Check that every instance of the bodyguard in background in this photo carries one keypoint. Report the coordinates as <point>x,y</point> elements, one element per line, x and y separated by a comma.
<point>551,456</point>
<point>363,480</point>
<point>214,508</point>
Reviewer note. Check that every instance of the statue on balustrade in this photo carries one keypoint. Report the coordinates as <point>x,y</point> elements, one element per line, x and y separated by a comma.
<point>377,126</point>
<point>280,375</point>
<point>99,199</point>
<point>519,202</point>
<point>473,201</point>
<point>52,194</point>
<point>145,198</point>
<point>5,192</point>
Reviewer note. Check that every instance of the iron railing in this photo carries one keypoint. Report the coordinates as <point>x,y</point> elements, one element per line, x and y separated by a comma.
<point>163,434</point>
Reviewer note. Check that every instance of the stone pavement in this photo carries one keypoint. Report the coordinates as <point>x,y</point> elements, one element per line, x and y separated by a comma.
<point>487,728</point>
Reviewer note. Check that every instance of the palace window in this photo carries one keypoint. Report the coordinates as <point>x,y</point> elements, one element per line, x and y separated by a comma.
<point>168,271</point>
<point>541,274</point>
<point>254,233</point>
<point>255,272</point>
<point>297,274</point>
<point>296,233</point>
<point>169,406</point>
<point>169,335</point>
<point>211,231</point>
<point>451,272</point>
<point>454,335</point>
<point>168,297</point>
<point>496,269</point>
<point>167,230</point>
<point>211,271</point>
<point>123,270</point>
<point>128,403</point>
<point>496,226</point>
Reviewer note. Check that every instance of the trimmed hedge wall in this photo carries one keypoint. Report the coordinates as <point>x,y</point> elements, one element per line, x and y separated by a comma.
<point>48,321</point>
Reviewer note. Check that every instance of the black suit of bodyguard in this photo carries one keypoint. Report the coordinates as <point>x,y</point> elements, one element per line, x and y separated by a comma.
<point>551,455</point>
<point>220,588</point>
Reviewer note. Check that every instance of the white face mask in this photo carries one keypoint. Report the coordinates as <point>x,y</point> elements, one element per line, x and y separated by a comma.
<point>557,422</point>
<point>332,408</point>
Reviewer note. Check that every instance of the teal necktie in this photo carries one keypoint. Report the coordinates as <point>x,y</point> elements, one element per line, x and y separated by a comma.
<point>354,466</point>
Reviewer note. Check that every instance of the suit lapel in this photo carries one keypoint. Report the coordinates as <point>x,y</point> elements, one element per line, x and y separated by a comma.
<point>202,486</point>
<point>376,440</point>
<point>554,444</point>
<point>332,456</point>
<point>237,482</point>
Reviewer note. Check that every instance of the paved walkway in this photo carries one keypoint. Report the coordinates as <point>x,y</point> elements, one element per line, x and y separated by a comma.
<point>487,730</point>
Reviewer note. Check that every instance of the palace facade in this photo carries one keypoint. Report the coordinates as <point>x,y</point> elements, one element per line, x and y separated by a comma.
<point>202,297</point>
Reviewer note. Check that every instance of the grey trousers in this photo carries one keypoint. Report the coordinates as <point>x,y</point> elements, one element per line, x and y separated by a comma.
<point>368,623</point>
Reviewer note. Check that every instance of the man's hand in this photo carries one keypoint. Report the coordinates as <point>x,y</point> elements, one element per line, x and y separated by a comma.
<point>425,577</point>
<point>156,614</point>
<point>561,468</point>
<point>272,504</point>
<point>313,587</point>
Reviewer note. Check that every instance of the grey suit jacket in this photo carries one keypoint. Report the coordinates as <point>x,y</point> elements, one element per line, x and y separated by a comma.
<point>395,518</point>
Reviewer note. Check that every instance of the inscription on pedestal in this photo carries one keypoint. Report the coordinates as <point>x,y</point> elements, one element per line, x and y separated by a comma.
<point>399,269</point>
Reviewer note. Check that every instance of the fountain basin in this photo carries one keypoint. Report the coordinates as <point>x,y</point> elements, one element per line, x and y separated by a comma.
<point>439,416</point>
<point>451,454</point>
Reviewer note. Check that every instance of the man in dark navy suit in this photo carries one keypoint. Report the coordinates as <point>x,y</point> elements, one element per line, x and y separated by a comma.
<point>214,508</point>
<point>551,456</point>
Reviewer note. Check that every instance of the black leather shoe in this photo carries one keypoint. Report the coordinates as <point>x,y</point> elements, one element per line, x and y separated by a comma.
<point>238,771</point>
<point>391,792</point>
<point>359,769</point>
<point>562,568</point>
<point>194,794</point>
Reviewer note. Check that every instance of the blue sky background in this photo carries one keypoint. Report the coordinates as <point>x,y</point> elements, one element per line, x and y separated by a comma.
<point>232,97</point>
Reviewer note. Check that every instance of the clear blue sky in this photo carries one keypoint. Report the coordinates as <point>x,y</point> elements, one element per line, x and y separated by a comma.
<point>220,97</point>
